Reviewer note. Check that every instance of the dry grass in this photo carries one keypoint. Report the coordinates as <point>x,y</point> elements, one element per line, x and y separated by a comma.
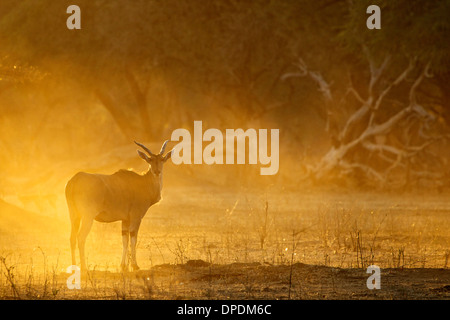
<point>246,245</point>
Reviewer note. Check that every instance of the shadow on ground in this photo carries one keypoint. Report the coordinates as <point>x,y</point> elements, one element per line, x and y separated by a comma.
<point>198,279</point>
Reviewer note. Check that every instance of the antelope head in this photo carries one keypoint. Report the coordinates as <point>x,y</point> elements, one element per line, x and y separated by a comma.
<point>156,161</point>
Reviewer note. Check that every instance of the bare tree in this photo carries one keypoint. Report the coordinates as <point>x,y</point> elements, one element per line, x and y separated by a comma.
<point>383,135</point>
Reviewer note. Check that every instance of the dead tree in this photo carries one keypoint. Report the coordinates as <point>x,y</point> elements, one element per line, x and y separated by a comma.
<point>382,137</point>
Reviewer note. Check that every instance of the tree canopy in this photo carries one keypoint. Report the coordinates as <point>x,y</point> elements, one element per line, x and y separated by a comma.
<point>155,65</point>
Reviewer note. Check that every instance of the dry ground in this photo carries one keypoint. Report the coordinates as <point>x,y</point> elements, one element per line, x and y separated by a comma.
<point>239,281</point>
<point>204,243</point>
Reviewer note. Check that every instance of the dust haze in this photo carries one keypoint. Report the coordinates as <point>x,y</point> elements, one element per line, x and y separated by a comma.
<point>363,118</point>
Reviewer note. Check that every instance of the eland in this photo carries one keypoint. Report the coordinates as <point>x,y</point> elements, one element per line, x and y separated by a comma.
<point>123,196</point>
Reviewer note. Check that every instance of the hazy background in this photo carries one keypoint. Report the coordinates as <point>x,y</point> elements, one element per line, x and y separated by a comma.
<point>73,100</point>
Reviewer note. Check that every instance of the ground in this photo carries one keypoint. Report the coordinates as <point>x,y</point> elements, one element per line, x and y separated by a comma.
<point>204,243</point>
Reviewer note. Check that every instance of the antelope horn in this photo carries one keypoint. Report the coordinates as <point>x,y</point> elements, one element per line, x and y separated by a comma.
<point>163,147</point>
<point>145,148</point>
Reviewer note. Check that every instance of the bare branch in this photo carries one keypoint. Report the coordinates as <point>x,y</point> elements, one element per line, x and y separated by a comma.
<point>382,147</point>
<point>396,82</point>
<point>412,91</point>
<point>385,127</point>
<point>355,118</point>
<point>413,106</point>
<point>324,87</point>
<point>366,169</point>
<point>375,72</point>
<point>394,165</point>
<point>355,94</point>
<point>292,75</point>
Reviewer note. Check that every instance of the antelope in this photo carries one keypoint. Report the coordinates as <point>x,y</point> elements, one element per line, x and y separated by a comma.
<point>123,196</point>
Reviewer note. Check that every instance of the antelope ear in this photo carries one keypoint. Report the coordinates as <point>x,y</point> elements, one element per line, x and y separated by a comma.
<point>143,156</point>
<point>168,155</point>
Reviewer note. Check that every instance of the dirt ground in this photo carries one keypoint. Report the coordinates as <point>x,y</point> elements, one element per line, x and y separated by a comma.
<point>241,245</point>
<point>198,280</point>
